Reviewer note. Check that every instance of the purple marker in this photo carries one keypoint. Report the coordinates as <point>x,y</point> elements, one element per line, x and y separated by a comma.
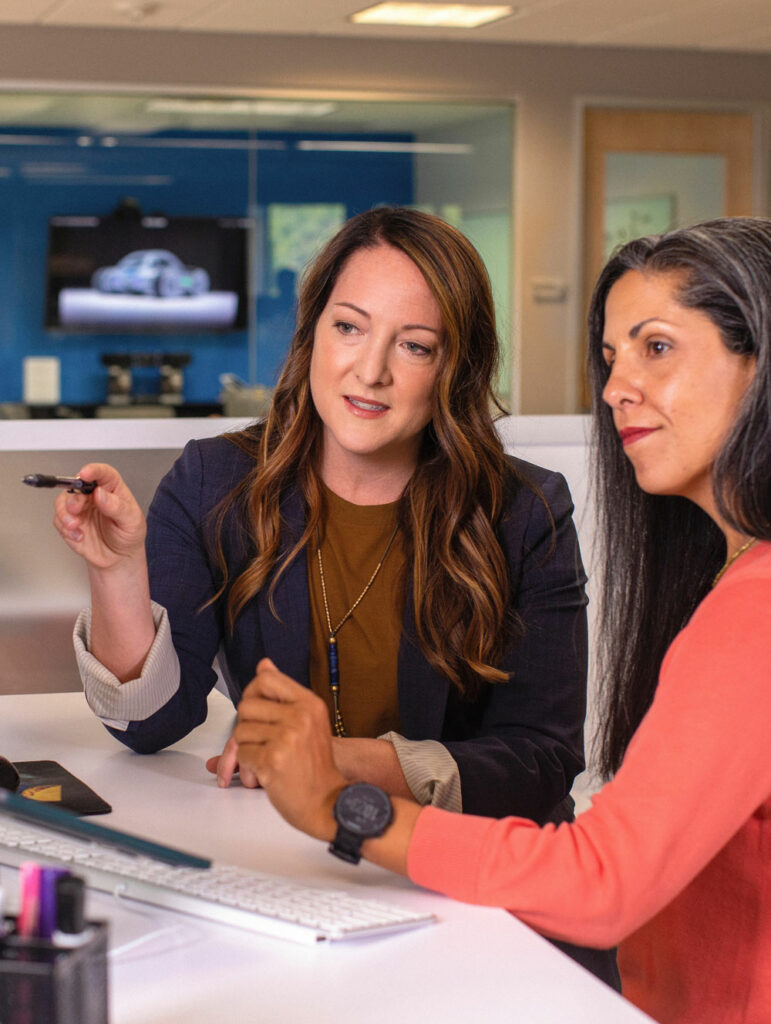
<point>49,901</point>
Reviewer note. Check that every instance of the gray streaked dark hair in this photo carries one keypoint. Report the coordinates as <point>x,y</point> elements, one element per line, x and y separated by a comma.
<point>661,553</point>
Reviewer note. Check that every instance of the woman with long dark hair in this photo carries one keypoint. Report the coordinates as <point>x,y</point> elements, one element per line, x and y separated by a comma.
<point>370,537</point>
<point>672,859</point>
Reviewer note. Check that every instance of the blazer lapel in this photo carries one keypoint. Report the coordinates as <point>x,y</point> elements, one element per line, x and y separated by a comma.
<point>286,639</point>
<point>422,691</point>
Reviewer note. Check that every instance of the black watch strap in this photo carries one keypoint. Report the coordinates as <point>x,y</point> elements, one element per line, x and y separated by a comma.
<point>346,846</point>
<point>362,811</point>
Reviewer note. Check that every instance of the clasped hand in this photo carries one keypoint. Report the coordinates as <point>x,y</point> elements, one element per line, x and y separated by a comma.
<point>282,738</point>
<point>356,759</point>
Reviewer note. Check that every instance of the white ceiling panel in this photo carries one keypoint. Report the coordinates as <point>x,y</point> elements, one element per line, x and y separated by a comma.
<point>275,16</point>
<point>743,38</point>
<point>691,24</point>
<point>26,12</point>
<point>707,25</point>
<point>578,21</point>
<point>123,13</point>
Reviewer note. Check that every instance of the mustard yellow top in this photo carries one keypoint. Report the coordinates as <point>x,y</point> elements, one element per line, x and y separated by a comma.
<point>353,539</point>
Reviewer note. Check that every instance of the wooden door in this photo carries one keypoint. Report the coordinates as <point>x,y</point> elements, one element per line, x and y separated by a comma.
<point>608,131</point>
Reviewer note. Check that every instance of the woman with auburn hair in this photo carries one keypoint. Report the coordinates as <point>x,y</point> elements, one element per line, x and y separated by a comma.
<point>672,859</point>
<point>371,538</point>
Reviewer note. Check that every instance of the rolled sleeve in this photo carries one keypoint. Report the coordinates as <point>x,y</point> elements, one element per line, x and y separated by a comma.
<point>117,704</point>
<point>430,771</point>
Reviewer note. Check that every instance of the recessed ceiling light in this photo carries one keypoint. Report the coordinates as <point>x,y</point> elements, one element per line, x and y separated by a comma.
<point>240,108</point>
<point>136,10</point>
<point>432,15</point>
<point>360,146</point>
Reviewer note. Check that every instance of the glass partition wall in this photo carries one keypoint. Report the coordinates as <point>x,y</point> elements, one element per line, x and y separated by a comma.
<point>150,245</point>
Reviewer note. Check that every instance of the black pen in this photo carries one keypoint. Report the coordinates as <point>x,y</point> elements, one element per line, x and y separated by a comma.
<point>73,483</point>
<point>71,930</point>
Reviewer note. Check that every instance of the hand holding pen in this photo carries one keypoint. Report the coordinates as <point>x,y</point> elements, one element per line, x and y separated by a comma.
<point>101,522</point>
<point>107,529</point>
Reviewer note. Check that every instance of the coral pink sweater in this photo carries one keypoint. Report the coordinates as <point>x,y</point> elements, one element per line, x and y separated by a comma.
<point>673,860</point>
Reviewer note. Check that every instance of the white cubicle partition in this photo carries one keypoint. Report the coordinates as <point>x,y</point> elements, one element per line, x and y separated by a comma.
<point>39,576</point>
<point>109,434</point>
<point>43,584</point>
<point>560,443</point>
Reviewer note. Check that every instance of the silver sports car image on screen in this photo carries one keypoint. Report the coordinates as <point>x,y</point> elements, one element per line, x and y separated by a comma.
<point>151,272</point>
<point>152,275</point>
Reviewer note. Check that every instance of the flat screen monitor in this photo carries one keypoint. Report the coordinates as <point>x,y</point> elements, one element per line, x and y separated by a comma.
<point>146,275</point>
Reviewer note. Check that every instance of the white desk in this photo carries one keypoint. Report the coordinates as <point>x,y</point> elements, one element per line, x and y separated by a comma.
<point>477,963</point>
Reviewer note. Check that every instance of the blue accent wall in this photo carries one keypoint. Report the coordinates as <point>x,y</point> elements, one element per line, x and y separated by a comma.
<point>52,175</point>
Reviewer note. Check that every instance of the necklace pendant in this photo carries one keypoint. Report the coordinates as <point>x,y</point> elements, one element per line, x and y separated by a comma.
<point>334,686</point>
<point>334,672</point>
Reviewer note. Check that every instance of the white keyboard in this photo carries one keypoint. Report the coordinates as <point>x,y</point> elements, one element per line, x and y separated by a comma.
<point>222,893</point>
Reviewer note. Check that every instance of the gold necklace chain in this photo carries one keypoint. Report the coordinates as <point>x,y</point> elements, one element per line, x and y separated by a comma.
<point>730,561</point>
<point>334,673</point>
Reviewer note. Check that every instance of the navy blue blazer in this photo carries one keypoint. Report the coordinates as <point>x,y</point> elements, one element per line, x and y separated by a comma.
<point>518,745</point>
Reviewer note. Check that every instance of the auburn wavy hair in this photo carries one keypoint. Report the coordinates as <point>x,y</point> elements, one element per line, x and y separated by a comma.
<point>451,506</point>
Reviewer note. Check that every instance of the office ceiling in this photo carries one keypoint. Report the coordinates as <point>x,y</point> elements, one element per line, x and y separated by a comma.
<point>728,25</point>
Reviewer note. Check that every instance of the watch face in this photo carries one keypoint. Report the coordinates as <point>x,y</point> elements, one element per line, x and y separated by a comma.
<point>363,809</point>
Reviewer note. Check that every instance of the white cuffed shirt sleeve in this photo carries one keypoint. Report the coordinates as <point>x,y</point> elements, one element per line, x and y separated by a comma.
<point>115,703</point>
<point>430,770</point>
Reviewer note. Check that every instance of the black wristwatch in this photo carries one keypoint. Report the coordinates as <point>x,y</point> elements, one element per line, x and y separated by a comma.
<point>362,811</point>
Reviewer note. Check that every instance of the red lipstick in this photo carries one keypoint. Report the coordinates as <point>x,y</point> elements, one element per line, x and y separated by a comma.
<point>631,434</point>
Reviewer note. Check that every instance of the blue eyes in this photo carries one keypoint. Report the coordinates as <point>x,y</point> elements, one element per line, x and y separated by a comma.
<point>344,327</point>
<point>414,348</point>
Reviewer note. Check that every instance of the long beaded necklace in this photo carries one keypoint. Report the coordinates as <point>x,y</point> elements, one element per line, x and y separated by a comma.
<point>334,673</point>
<point>730,561</point>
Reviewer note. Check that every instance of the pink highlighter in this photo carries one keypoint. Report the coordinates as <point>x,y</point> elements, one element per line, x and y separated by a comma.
<point>29,900</point>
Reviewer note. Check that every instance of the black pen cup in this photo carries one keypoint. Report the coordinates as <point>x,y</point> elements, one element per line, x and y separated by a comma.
<point>46,982</point>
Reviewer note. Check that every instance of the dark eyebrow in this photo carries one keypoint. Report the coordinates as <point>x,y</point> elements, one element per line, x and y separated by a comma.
<point>638,327</point>
<point>350,305</point>
<point>420,327</point>
<point>405,327</point>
